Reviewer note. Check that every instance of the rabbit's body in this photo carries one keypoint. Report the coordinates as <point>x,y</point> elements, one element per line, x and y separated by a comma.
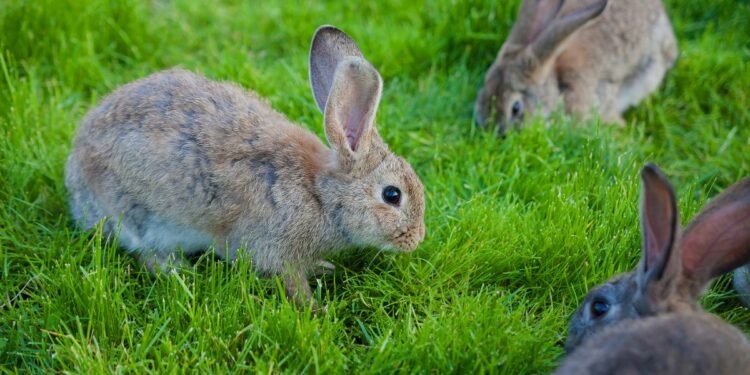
<point>179,163</point>
<point>649,320</point>
<point>676,343</point>
<point>625,54</point>
<point>230,159</point>
<point>602,56</point>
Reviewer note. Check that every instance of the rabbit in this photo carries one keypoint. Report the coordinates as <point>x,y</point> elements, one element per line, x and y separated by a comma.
<point>649,321</point>
<point>584,54</point>
<point>185,163</point>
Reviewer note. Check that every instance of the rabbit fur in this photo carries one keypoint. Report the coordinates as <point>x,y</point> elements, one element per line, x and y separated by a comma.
<point>586,55</point>
<point>649,320</point>
<point>179,163</point>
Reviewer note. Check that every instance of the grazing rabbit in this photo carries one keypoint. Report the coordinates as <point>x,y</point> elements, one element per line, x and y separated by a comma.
<point>185,163</point>
<point>586,53</point>
<point>649,321</point>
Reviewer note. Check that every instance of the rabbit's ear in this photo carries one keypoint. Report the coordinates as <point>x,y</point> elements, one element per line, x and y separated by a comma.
<point>328,48</point>
<point>549,41</point>
<point>350,110</point>
<point>533,17</point>
<point>718,239</point>
<point>660,266</point>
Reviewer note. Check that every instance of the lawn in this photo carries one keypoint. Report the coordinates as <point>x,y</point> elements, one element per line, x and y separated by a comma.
<point>518,228</point>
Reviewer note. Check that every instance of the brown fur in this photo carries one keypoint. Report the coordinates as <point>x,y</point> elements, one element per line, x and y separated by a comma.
<point>690,343</point>
<point>653,323</point>
<point>588,54</point>
<point>179,162</point>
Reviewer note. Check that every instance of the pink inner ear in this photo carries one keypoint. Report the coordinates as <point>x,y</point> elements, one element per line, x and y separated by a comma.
<point>357,116</point>
<point>659,221</point>
<point>652,248</point>
<point>718,243</point>
<point>354,128</point>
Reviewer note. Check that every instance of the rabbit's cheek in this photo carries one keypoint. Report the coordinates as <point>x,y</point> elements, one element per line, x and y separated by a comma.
<point>390,225</point>
<point>386,218</point>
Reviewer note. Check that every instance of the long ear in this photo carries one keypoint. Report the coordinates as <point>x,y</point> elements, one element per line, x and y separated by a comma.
<point>658,219</point>
<point>328,48</point>
<point>554,34</point>
<point>718,239</point>
<point>533,17</point>
<point>351,107</point>
<point>660,265</point>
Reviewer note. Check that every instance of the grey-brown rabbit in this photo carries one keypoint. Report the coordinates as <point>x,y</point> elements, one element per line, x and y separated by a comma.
<point>588,54</point>
<point>179,163</point>
<point>649,321</point>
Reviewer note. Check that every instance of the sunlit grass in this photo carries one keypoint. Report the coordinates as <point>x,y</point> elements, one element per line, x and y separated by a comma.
<point>518,228</point>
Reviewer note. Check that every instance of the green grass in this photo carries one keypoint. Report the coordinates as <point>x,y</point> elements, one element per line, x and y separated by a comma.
<point>518,228</point>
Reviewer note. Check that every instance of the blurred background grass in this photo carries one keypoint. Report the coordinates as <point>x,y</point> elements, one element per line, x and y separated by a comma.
<point>518,229</point>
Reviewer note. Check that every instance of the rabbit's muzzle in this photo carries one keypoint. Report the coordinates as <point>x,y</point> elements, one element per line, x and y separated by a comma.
<point>409,239</point>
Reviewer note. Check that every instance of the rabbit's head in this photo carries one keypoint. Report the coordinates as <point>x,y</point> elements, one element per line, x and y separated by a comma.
<point>675,268</point>
<point>373,196</point>
<point>518,83</point>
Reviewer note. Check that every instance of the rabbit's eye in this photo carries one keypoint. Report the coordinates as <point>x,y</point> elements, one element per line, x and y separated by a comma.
<point>516,110</point>
<point>599,308</point>
<point>392,195</point>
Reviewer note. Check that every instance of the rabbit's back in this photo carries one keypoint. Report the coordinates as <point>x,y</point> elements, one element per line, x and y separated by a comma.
<point>694,343</point>
<point>628,31</point>
<point>628,51</point>
<point>177,149</point>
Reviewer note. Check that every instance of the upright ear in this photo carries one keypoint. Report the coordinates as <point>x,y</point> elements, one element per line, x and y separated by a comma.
<point>350,111</point>
<point>328,48</point>
<point>347,90</point>
<point>533,17</point>
<point>660,266</point>
<point>548,42</point>
<point>718,239</point>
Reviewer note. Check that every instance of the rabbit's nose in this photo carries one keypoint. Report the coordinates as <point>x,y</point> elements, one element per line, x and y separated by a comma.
<point>479,119</point>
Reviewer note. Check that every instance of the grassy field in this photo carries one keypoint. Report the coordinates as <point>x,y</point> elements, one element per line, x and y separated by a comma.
<point>517,229</point>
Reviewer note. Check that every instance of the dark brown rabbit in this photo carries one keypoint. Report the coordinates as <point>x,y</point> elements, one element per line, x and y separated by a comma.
<point>179,163</point>
<point>588,55</point>
<point>649,321</point>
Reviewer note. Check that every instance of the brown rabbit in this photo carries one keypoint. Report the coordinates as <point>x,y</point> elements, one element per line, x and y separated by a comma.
<point>649,321</point>
<point>185,163</point>
<point>587,54</point>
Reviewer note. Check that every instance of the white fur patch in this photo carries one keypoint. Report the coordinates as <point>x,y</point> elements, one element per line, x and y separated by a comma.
<point>164,236</point>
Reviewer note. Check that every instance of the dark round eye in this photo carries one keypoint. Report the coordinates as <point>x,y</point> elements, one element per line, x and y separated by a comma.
<point>516,109</point>
<point>392,195</point>
<point>599,308</point>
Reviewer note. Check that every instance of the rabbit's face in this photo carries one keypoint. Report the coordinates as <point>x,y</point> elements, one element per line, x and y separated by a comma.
<point>605,305</point>
<point>675,266</point>
<point>382,208</point>
<point>372,197</point>
<point>512,92</point>
<point>522,80</point>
